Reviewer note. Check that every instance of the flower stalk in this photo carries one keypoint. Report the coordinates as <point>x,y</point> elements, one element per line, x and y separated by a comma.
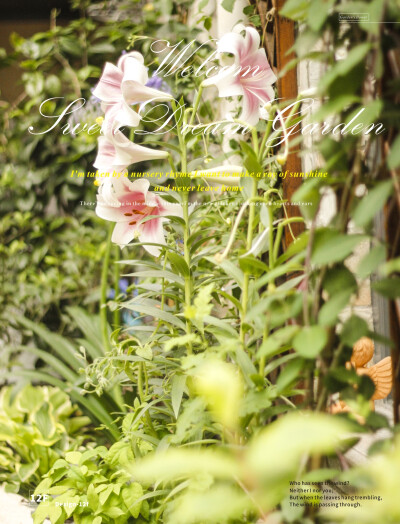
<point>103,290</point>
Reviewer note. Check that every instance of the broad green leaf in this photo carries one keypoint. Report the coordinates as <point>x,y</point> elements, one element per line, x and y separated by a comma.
<point>374,10</point>
<point>372,260</point>
<point>393,159</point>
<point>167,275</point>
<point>330,311</point>
<point>92,404</point>
<point>230,269</point>
<point>219,384</point>
<point>287,268</point>
<point>73,503</point>
<point>25,471</point>
<point>277,341</point>
<point>130,495</point>
<point>177,389</point>
<point>308,194</point>
<point>318,13</point>
<point>391,266</point>
<point>101,48</point>
<point>310,341</point>
<point>45,421</point>
<point>334,106</point>
<point>179,264</point>
<point>55,512</point>
<point>388,287</point>
<point>275,453</point>
<point>145,352</point>
<point>331,246</point>
<point>30,399</point>
<point>372,203</point>
<point>342,67</point>
<point>73,457</point>
<point>290,373</point>
<point>353,329</point>
<point>252,265</point>
<point>369,116</point>
<point>60,345</point>
<point>43,486</point>
<point>339,278</point>
<point>177,463</point>
<point>254,402</point>
<point>92,497</point>
<point>295,9</point>
<point>41,513</point>
<point>120,454</point>
<point>156,313</point>
<point>103,496</point>
<point>221,503</point>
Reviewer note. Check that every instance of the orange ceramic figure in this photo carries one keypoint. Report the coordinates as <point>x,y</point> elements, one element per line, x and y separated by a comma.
<point>380,373</point>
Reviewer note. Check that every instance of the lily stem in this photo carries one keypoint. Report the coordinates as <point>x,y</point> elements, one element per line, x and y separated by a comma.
<point>185,208</point>
<point>103,290</point>
<point>142,396</point>
<point>196,105</point>
<point>117,312</point>
<point>249,240</point>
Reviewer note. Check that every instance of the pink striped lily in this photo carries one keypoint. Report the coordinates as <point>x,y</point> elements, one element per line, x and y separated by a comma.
<point>122,85</point>
<point>128,204</point>
<point>250,76</point>
<point>116,152</point>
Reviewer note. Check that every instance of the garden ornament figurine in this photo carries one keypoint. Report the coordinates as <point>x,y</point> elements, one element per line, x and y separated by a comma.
<point>380,373</point>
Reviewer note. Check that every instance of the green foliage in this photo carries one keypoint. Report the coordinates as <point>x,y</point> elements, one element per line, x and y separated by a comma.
<point>64,365</point>
<point>93,485</point>
<point>252,478</point>
<point>380,476</point>
<point>47,263</point>
<point>37,425</point>
<point>237,343</point>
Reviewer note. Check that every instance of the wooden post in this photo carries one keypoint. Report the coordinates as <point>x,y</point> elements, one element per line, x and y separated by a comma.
<point>287,89</point>
<point>392,218</point>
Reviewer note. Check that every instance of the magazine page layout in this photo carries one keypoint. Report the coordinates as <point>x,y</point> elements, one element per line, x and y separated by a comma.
<point>200,262</point>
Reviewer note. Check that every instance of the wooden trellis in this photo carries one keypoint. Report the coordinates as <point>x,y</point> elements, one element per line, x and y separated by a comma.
<point>279,36</point>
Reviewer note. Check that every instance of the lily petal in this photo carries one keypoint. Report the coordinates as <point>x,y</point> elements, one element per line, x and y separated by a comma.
<point>128,152</point>
<point>152,231</point>
<point>118,115</point>
<point>108,88</point>
<point>105,159</point>
<point>123,234</point>
<point>123,85</point>
<point>250,76</point>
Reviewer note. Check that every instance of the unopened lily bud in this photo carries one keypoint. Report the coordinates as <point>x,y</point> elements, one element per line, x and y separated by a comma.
<point>281,159</point>
<point>267,106</point>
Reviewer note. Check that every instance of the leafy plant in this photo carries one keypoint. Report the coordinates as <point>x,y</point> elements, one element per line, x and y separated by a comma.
<point>64,366</point>
<point>93,485</point>
<point>37,425</point>
<point>230,300</point>
<point>233,328</point>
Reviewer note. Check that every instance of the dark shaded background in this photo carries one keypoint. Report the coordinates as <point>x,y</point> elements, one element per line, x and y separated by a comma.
<point>25,17</point>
